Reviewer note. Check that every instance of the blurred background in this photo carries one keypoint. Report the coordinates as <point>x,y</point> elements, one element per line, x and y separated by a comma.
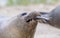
<point>27,2</point>
<point>11,8</point>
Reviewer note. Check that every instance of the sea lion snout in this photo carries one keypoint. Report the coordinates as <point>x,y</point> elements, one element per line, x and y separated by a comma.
<point>32,16</point>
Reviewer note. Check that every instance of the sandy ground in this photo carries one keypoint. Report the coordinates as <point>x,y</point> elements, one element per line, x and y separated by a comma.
<point>42,30</point>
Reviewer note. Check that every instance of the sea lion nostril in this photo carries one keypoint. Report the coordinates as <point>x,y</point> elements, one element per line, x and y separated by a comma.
<point>23,14</point>
<point>29,20</point>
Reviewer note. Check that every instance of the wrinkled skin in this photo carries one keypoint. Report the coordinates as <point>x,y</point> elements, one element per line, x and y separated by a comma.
<point>53,17</point>
<point>20,26</point>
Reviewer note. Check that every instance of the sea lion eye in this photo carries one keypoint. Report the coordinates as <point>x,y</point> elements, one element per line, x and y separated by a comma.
<point>23,14</point>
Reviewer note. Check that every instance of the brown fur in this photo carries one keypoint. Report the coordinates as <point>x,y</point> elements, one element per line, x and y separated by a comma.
<point>17,27</point>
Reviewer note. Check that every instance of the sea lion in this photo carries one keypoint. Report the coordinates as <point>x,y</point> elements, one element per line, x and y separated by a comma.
<point>52,17</point>
<point>20,26</point>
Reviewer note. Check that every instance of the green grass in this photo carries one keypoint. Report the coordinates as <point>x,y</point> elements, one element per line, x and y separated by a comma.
<point>27,2</point>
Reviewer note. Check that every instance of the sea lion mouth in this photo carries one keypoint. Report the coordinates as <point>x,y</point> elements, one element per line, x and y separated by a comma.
<point>28,20</point>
